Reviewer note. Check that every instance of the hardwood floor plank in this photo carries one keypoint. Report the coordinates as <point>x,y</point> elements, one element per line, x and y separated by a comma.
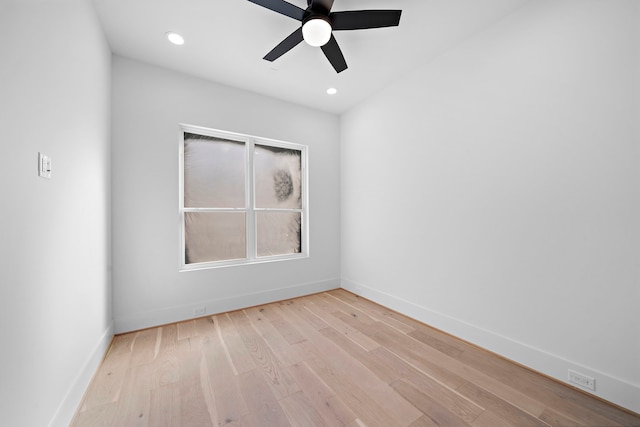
<point>491,419</point>
<point>572,402</point>
<point>143,347</point>
<point>366,408</point>
<point>264,408</point>
<point>287,353</point>
<point>330,304</point>
<point>583,415</point>
<point>491,402</point>
<point>556,397</point>
<point>330,359</point>
<point>205,327</point>
<point>462,407</point>
<point>300,310</point>
<point>97,416</point>
<point>332,410</point>
<point>284,328</point>
<point>344,295</point>
<point>166,367</point>
<point>543,389</point>
<point>169,357</point>
<point>108,381</point>
<point>378,312</point>
<point>333,318</point>
<point>263,357</point>
<point>289,333</point>
<point>369,359</point>
<point>417,351</point>
<point>437,412</point>
<point>229,405</point>
<point>300,411</point>
<point>207,390</point>
<point>164,406</point>
<point>169,338</point>
<point>553,418</point>
<point>186,330</point>
<point>122,343</point>
<point>431,339</point>
<point>192,401</point>
<point>348,378</point>
<point>423,421</point>
<point>347,308</point>
<point>274,315</point>
<point>413,352</point>
<point>134,404</point>
<point>379,391</point>
<point>334,362</point>
<point>238,354</point>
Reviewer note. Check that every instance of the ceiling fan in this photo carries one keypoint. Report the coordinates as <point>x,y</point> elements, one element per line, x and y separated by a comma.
<point>318,22</point>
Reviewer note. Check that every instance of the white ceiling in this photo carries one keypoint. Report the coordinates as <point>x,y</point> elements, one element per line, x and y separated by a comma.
<point>226,40</point>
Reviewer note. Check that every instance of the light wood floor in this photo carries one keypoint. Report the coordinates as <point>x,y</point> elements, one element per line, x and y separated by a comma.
<point>331,359</point>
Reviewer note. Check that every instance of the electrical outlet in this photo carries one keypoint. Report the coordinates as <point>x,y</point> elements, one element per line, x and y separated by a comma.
<point>582,380</point>
<point>199,311</point>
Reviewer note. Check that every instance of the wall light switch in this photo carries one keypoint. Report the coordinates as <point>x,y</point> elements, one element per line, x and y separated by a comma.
<point>44,166</point>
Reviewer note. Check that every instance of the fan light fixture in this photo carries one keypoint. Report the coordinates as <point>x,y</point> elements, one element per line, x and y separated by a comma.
<point>316,31</point>
<point>318,22</point>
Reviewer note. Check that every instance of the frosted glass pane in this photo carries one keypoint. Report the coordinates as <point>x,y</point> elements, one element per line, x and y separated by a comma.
<point>278,177</point>
<point>214,236</point>
<point>278,233</point>
<point>214,172</point>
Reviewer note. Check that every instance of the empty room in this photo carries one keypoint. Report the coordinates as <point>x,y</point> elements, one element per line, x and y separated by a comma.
<point>320,213</point>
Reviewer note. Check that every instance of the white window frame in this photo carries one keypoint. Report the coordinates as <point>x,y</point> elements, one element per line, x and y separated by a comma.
<point>250,209</point>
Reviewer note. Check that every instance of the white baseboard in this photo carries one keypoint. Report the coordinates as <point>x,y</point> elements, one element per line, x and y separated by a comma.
<point>73,398</point>
<point>166,315</point>
<point>609,388</point>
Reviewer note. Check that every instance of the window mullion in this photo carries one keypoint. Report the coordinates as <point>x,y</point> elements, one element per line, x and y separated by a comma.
<point>250,202</point>
<point>277,210</point>
<point>181,200</point>
<point>214,209</point>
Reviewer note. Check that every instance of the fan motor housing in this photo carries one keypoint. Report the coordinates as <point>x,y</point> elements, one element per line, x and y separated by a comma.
<point>312,16</point>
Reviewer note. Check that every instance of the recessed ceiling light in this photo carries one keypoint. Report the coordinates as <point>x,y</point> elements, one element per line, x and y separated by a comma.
<point>332,91</point>
<point>175,38</point>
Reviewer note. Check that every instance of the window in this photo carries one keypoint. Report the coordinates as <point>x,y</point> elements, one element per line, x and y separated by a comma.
<point>243,199</point>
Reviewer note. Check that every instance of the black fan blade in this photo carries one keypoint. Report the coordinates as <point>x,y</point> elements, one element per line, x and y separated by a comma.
<point>321,5</point>
<point>282,7</point>
<point>363,19</point>
<point>285,45</point>
<point>334,55</point>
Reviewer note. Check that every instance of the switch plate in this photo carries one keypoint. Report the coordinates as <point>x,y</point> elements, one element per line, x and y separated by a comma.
<point>44,166</point>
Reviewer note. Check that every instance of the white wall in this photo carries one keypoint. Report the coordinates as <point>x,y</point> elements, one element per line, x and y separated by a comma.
<point>494,192</point>
<point>55,293</point>
<point>148,105</point>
